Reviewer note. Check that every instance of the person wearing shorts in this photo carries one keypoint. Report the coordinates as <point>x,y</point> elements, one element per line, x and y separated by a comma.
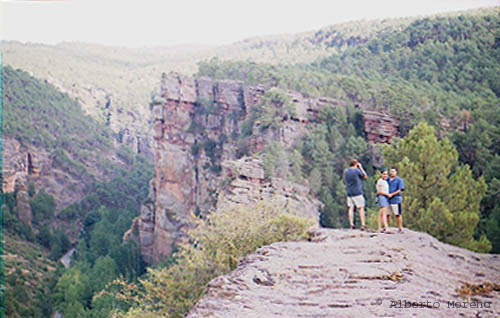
<point>353,177</point>
<point>396,186</point>
<point>383,201</point>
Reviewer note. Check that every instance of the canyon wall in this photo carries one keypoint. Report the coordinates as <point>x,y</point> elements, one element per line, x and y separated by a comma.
<point>196,129</point>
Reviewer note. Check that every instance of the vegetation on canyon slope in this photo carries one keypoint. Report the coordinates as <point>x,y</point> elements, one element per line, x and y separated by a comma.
<point>37,115</point>
<point>439,70</point>
<point>211,249</point>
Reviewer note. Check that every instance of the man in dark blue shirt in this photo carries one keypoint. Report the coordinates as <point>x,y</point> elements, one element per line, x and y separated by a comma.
<point>353,177</point>
<point>396,186</point>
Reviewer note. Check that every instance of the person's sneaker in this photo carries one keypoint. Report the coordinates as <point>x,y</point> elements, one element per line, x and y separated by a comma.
<point>352,227</point>
<point>362,228</point>
<point>400,231</point>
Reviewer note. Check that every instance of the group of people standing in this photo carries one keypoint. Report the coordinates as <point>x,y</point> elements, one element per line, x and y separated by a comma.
<point>389,198</point>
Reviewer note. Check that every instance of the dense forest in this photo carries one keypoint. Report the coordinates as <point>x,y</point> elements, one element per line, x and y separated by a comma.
<point>54,119</point>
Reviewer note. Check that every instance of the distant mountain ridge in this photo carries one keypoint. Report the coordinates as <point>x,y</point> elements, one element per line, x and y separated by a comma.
<point>127,75</point>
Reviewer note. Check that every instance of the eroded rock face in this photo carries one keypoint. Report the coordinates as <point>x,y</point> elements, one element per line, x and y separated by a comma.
<point>29,163</point>
<point>19,162</point>
<point>196,123</point>
<point>249,185</point>
<point>23,207</point>
<point>379,127</point>
<point>349,273</point>
<point>36,165</point>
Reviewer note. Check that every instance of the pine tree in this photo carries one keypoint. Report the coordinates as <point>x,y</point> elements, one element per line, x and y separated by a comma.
<point>441,197</point>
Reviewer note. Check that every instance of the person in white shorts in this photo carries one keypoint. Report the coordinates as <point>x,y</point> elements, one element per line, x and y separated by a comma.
<point>353,177</point>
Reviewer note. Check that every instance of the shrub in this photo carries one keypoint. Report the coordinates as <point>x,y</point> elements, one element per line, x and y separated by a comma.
<point>43,207</point>
<point>212,248</point>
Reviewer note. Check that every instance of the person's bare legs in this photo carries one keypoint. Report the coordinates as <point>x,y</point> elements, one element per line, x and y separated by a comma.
<point>384,213</point>
<point>362,216</point>
<point>350,212</point>
<point>399,222</point>
<point>388,217</point>
<point>379,219</point>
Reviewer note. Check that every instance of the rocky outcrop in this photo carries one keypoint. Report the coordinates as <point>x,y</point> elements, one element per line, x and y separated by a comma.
<point>249,185</point>
<point>19,162</point>
<point>342,273</point>
<point>196,123</point>
<point>23,207</point>
<point>379,127</point>
<point>35,164</point>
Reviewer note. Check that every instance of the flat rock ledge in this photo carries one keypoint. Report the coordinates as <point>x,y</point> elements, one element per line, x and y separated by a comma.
<point>350,273</point>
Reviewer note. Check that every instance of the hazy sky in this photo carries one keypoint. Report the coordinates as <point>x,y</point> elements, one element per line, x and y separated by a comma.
<point>172,22</point>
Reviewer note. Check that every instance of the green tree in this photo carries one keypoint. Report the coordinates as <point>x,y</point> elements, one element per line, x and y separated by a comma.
<point>59,244</point>
<point>441,197</point>
<point>72,288</point>
<point>104,271</point>
<point>42,207</point>
<point>44,237</point>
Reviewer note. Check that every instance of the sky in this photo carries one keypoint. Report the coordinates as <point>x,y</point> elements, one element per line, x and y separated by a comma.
<point>148,23</point>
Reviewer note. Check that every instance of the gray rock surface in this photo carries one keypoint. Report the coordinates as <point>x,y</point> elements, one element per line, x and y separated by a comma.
<point>249,185</point>
<point>349,273</point>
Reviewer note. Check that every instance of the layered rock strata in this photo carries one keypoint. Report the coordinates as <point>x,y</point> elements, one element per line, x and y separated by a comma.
<point>249,185</point>
<point>379,126</point>
<point>343,273</point>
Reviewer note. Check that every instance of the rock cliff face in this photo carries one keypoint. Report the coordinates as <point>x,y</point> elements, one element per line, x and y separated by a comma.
<point>20,161</point>
<point>196,123</point>
<point>27,163</point>
<point>343,273</point>
<point>249,185</point>
<point>35,164</point>
<point>22,200</point>
<point>379,127</point>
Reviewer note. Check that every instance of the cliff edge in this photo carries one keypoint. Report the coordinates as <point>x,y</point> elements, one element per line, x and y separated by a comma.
<point>349,273</point>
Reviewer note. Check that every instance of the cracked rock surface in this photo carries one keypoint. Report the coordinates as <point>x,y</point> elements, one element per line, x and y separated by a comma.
<point>349,273</point>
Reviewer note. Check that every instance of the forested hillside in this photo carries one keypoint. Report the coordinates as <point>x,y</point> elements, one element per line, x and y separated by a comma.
<point>73,159</point>
<point>59,138</point>
<point>38,114</point>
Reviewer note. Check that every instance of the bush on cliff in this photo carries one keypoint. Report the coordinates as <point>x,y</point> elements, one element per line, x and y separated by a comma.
<point>212,248</point>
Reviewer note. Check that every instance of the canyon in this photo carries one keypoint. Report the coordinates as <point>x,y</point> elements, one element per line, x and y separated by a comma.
<point>198,165</point>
